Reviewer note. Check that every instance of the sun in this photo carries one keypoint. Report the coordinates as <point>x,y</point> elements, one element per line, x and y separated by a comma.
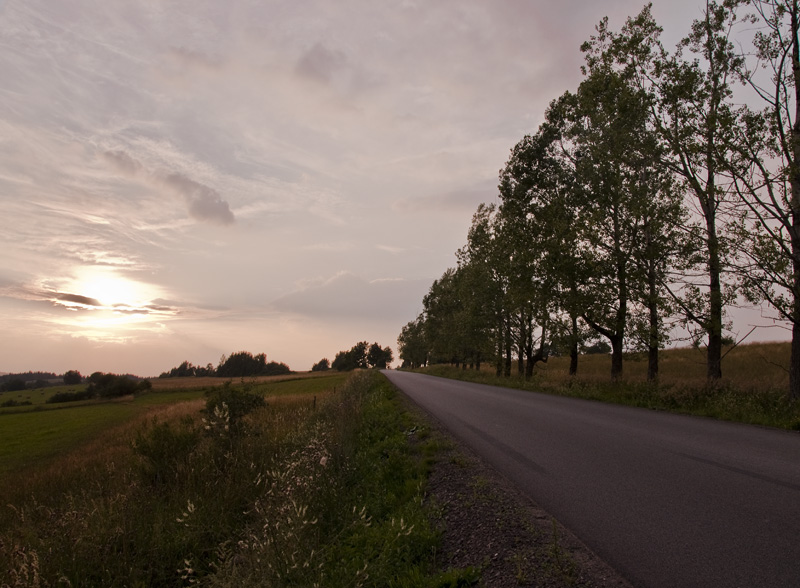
<point>111,290</point>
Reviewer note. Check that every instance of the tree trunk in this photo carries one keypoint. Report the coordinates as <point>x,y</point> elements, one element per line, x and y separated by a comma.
<point>499,360</point>
<point>652,304</point>
<point>616,357</point>
<point>714,328</point>
<point>508,350</point>
<point>794,365</point>
<point>573,348</point>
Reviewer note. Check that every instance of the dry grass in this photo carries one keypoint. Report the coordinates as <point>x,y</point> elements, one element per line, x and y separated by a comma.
<point>758,365</point>
<point>754,387</point>
<point>165,384</point>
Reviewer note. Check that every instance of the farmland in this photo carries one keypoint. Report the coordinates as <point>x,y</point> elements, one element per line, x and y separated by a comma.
<point>309,481</point>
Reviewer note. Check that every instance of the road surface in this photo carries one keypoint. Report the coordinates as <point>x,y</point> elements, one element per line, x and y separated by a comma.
<point>669,501</point>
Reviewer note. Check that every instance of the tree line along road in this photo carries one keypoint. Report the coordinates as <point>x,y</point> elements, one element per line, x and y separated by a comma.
<point>667,500</point>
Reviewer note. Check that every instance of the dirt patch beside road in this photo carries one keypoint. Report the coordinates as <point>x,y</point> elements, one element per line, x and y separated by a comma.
<point>488,524</point>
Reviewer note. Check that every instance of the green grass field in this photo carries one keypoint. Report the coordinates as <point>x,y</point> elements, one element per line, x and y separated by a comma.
<point>319,486</point>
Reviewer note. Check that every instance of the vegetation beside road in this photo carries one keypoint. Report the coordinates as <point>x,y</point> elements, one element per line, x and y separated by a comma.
<point>273,484</point>
<point>753,390</point>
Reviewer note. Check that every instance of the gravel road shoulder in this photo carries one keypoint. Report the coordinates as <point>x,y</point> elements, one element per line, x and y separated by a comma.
<point>488,524</point>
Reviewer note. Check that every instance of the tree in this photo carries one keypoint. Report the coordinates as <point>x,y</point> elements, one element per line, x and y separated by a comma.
<point>322,365</point>
<point>355,358</point>
<point>692,114</point>
<point>379,357</point>
<point>15,385</point>
<point>114,386</point>
<point>767,171</point>
<point>412,345</point>
<point>242,364</point>
<point>623,200</point>
<point>72,377</point>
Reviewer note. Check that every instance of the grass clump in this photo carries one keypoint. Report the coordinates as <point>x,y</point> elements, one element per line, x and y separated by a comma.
<point>304,491</point>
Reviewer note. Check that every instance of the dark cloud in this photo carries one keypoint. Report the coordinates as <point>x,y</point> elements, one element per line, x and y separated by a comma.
<point>205,203</point>
<point>78,299</point>
<point>320,63</point>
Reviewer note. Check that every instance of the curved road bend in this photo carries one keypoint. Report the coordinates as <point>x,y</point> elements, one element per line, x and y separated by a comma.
<point>668,501</point>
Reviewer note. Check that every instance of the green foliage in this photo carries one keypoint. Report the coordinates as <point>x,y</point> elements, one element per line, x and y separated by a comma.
<point>165,450</point>
<point>187,370</point>
<point>11,403</point>
<point>244,364</point>
<point>114,386</point>
<point>362,356</point>
<point>14,385</point>
<point>322,365</point>
<point>327,495</point>
<point>67,396</point>
<point>227,406</point>
<point>241,364</point>
<point>72,378</point>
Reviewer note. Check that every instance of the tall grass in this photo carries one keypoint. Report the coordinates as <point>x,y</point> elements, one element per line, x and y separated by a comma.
<point>753,389</point>
<point>309,490</point>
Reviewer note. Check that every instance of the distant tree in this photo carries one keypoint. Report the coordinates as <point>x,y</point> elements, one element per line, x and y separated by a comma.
<point>412,345</point>
<point>14,385</point>
<point>353,359</point>
<point>202,372</point>
<point>114,386</point>
<point>242,364</point>
<point>274,368</point>
<point>322,365</point>
<point>379,357</point>
<point>72,377</point>
<point>599,347</point>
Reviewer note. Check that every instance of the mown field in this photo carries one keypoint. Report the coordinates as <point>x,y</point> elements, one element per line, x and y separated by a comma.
<point>302,482</point>
<point>754,387</point>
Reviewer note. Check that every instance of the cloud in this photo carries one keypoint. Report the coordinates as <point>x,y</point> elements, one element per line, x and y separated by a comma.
<point>346,295</point>
<point>204,203</point>
<point>84,301</point>
<point>123,162</point>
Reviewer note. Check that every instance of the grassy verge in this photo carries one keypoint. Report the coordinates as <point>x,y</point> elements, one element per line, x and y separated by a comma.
<point>319,488</point>
<point>758,396</point>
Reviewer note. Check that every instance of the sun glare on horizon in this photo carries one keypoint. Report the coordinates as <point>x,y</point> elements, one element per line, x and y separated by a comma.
<point>111,289</point>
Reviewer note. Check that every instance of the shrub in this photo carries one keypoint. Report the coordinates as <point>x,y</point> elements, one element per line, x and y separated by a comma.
<point>228,405</point>
<point>70,396</point>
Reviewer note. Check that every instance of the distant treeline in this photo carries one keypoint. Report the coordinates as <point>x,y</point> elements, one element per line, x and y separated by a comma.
<point>28,376</point>
<point>237,365</point>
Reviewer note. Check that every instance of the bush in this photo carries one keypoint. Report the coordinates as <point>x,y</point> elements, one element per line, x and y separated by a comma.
<point>112,386</point>
<point>12,402</point>
<point>70,396</point>
<point>227,406</point>
<point>165,451</point>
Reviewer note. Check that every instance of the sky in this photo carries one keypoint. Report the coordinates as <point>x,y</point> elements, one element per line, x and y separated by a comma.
<point>182,179</point>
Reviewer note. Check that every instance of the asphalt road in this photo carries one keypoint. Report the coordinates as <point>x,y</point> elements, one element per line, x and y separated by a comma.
<point>668,501</point>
